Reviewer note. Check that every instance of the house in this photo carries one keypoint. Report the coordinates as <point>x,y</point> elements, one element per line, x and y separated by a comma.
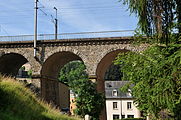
<point>118,104</point>
<point>72,102</point>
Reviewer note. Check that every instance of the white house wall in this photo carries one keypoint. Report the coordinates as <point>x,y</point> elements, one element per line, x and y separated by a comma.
<point>121,110</point>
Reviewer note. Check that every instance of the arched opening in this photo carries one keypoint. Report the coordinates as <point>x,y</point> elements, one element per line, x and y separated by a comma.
<point>24,75</point>
<point>103,67</point>
<point>10,64</point>
<point>17,66</point>
<point>24,71</point>
<point>103,71</point>
<point>52,90</point>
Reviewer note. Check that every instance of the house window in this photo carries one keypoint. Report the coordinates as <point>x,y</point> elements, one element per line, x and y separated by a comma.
<point>115,105</point>
<point>115,117</point>
<point>129,105</point>
<point>108,85</point>
<point>130,116</point>
<point>115,93</point>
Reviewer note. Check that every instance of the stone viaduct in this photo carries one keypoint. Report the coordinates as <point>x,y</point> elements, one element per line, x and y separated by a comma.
<point>96,53</point>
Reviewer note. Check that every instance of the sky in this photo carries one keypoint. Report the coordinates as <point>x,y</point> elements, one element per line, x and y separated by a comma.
<point>17,16</point>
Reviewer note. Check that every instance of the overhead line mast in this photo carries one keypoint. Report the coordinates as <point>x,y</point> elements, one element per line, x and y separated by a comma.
<point>35,27</point>
<point>56,24</point>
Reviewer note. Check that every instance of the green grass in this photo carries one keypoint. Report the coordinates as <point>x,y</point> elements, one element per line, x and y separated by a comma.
<point>19,103</point>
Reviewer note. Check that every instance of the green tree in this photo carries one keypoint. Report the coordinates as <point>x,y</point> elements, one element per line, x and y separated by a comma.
<point>72,71</point>
<point>29,73</point>
<point>88,100</point>
<point>178,12</point>
<point>156,75</point>
<point>157,17</point>
<point>156,72</point>
<point>113,73</point>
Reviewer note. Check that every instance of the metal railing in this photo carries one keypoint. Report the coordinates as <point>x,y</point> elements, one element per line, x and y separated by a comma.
<point>81,35</point>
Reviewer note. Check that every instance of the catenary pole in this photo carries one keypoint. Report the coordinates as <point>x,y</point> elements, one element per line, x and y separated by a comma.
<point>35,26</point>
<point>56,24</point>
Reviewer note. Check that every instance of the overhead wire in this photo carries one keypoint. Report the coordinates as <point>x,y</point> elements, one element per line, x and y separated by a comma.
<point>1,28</point>
<point>105,9</point>
<point>74,8</point>
<point>97,7</point>
<point>46,14</point>
<point>63,12</point>
<point>67,11</point>
<point>92,4</point>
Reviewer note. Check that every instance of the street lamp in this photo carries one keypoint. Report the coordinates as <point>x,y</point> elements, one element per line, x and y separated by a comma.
<point>56,24</point>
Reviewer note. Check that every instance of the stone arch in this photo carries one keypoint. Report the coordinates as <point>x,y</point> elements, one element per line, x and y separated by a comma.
<point>102,66</point>
<point>28,55</point>
<point>106,50</point>
<point>10,63</point>
<point>66,49</point>
<point>51,89</point>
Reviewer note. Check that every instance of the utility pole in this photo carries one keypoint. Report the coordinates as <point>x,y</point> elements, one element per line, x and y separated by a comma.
<point>56,24</point>
<point>35,26</point>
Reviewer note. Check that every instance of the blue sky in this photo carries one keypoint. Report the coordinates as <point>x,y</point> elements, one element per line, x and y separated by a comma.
<point>17,16</point>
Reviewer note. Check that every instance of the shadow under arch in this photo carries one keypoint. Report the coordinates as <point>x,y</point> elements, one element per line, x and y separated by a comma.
<point>104,64</point>
<point>10,63</point>
<point>102,67</point>
<point>51,89</point>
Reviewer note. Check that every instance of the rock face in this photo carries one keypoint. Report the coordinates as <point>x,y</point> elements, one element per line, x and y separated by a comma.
<point>96,53</point>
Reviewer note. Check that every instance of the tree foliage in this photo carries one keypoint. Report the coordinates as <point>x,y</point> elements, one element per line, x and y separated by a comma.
<point>156,75</point>
<point>72,71</point>
<point>156,72</point>
<point>157,17</point>
<point>113,73</point>
<point>88,100</point>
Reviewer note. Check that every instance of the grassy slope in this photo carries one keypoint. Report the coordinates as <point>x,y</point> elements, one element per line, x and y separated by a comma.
<point>18,103</point>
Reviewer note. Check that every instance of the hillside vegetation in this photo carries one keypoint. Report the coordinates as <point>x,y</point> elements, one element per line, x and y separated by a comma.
<point>19,103</point>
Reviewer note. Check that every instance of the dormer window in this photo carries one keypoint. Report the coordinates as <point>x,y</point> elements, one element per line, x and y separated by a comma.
<point>114,93</point>
<point>129,93</point>
<point>108,85</point>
